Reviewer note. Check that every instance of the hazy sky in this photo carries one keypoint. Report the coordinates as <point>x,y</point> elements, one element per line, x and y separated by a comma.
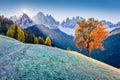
<point>60,9</point>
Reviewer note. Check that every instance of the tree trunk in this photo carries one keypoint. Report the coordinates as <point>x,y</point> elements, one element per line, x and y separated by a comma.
<point>88,52</point>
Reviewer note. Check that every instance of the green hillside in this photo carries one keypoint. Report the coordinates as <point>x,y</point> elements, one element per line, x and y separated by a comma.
<point>19,61</point>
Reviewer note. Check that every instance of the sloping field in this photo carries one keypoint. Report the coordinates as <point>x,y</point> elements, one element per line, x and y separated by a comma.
<point>21,61</point>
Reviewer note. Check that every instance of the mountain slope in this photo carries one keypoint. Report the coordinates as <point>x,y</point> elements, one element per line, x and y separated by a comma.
<point>42,62</point>
<point>59,39</point>
<point>111,54</point>
<point>115,31</point>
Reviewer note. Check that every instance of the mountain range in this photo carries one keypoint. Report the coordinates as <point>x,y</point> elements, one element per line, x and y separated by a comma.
<point>62,35</point>
<point>67,26</point>
<point>46,20</point>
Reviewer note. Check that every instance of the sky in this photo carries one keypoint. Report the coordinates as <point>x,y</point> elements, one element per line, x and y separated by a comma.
<point>61,9</point>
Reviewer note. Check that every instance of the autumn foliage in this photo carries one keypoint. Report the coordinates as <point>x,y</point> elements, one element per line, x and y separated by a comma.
<point>90,34</point>
<point>16,32</point>
<point>48,41</point>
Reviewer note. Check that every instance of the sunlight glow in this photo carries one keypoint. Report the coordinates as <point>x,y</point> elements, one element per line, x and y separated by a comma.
<point>24,11</point>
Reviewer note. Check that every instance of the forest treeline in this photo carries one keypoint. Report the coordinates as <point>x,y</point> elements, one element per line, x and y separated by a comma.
<point>11,29</point>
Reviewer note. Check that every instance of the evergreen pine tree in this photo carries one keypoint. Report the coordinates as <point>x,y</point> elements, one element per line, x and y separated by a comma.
<point>5,24</point>
<point>35,40</point>
<point>29,38</point>
<point>68,49</point>
<point>40,40</point>
<point>3,30</point>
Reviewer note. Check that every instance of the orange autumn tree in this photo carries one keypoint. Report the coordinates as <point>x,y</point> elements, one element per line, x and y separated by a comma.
<point>90,34</point>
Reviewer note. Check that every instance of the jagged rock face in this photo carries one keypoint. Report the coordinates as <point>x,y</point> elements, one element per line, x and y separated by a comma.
<point>46,20</point>
<point>24,20</point>
<point>110,26</point>
<point>71,23</point>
